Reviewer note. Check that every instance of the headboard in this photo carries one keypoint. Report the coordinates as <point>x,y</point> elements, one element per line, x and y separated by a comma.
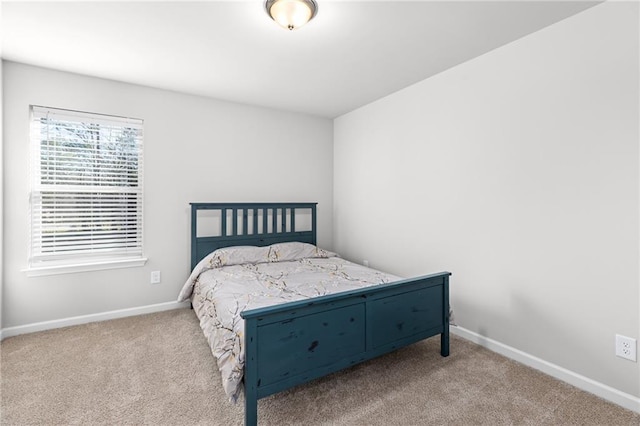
<point>250,224</point>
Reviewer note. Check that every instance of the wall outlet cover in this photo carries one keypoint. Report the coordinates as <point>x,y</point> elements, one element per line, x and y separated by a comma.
<point>626,347</point>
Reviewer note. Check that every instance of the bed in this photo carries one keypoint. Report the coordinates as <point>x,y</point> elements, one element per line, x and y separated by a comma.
<point>318,325</point>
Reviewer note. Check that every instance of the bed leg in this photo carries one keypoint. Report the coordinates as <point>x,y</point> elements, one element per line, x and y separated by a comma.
<point>444,337</point>
<point>251,372</point>
<point>444,343</point>
<point>250,408</point>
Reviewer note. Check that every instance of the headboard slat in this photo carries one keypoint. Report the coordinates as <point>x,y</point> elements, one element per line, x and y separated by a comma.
<point>223,222</point>
<point>293,220</point>
<point>274,220</point>
<point>264,220</point>
<point>245,219</point>
<point>255,221</point>
<point>234,220</point>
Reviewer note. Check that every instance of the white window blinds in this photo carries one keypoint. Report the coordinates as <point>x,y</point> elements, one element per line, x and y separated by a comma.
<point>86,189</point>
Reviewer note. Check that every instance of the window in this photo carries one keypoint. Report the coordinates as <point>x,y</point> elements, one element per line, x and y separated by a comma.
<point>86,191</point>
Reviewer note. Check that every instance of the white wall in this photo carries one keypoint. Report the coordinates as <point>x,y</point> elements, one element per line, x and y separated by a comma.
<point>196,149</point>
<point>518,172</point>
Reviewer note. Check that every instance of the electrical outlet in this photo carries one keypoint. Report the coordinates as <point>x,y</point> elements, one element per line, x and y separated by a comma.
<point>365,263</point>
<point>626,347</point>
<point>155,277</point>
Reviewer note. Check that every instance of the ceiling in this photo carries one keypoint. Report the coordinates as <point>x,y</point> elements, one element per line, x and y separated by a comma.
<point>352,53</point>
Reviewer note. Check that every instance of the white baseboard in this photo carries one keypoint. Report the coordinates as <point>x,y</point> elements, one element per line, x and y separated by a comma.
<point>623,399</point>
<point>83,319</point>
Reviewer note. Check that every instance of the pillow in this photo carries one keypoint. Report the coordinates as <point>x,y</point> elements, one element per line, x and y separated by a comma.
<point>282,252</point>
<point>237,255</point>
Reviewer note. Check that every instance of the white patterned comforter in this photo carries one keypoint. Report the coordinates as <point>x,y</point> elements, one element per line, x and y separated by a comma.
<point>234,279</point>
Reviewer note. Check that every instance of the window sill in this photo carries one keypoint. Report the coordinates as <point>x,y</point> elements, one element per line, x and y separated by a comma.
<point>84,267</point>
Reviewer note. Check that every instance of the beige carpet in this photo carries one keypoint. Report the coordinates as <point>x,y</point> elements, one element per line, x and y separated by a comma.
<point>157,370</point>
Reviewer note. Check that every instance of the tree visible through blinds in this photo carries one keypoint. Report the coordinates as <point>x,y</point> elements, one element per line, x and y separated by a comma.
<point>86,198</point>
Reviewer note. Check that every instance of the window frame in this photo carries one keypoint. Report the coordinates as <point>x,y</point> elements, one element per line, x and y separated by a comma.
<point>91,254</point>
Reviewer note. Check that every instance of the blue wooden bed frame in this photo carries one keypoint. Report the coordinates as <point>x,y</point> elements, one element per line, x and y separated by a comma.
<point>296,342</point>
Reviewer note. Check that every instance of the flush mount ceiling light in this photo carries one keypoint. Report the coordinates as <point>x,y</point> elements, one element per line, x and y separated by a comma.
<point>291,14</point>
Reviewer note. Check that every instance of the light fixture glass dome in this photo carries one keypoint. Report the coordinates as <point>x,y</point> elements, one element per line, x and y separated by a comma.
<point>291,14</point>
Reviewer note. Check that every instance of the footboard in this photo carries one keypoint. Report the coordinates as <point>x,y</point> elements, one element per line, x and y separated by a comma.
<point>287,345</point>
